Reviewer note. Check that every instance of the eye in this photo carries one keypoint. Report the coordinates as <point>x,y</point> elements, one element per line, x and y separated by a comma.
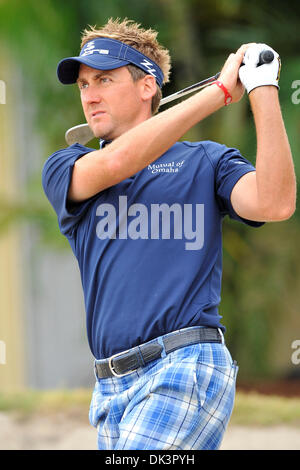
<point>105,79</point>
<point>82,86</point>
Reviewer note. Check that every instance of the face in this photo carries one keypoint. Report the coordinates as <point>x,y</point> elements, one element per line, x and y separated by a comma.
<point>112,102</point>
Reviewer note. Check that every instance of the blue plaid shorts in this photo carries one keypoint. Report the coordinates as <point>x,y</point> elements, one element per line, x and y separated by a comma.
<point>182,401</point>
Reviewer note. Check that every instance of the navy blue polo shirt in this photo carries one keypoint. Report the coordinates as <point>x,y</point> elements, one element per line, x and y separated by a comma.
<point>149,249</point>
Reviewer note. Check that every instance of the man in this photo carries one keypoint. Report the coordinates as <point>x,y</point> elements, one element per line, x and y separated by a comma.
<point>143,215</point>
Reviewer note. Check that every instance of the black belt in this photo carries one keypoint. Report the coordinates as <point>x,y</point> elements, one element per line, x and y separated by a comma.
<point>128,361</point>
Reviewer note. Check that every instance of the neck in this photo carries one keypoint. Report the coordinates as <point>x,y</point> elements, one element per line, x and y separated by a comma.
<point>142,117</point>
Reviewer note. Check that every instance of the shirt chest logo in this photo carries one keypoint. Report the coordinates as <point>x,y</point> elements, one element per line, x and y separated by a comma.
<point>168,167</point>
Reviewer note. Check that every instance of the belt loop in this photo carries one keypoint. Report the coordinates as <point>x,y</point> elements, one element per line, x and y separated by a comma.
<point>141,356</point>
<point>222,336</point>
<point>161,342</point>
<point>95,371</point>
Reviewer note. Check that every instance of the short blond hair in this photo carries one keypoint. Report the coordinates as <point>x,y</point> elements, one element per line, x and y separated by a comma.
<point>144,40</point>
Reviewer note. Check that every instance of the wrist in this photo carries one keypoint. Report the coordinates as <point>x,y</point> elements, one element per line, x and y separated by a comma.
<point>226,95</point>
<point>264,90</point>
<point>264,102</point>
<point>214,95</point>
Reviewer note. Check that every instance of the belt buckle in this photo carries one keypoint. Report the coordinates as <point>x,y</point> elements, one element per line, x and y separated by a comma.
<point>110,365</point>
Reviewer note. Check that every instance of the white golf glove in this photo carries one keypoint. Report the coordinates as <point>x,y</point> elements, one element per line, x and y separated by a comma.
<point>253,76</point>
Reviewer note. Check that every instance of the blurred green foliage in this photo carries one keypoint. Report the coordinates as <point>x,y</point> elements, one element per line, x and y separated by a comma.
<point>261,267</point>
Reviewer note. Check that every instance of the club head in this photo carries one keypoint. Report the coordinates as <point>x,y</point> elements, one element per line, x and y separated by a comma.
<point>80,134</point>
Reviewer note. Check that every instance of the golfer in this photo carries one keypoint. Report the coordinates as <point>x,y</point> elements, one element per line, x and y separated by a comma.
<point>143,215</point>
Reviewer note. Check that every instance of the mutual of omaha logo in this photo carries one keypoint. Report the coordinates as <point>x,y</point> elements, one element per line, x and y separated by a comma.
<point>169,167</point>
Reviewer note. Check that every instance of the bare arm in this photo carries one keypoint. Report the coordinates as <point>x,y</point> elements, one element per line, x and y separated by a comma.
<point>144,143</point>
<point>269,194</point>
<point>141,145</point>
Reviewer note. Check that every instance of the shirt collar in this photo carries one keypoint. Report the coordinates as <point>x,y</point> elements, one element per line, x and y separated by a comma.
<point>104,142</point>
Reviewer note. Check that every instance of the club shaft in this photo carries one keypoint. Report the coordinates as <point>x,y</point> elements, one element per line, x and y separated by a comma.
<point>83,134</point>
<point>264,57</point>
<point>189,89</point>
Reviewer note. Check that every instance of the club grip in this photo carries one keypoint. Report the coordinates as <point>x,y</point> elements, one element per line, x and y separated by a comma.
<point>265,57</point>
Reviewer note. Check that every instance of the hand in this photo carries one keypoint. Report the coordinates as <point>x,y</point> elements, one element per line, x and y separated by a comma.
<point>229,75</point>
<point>253,76</point>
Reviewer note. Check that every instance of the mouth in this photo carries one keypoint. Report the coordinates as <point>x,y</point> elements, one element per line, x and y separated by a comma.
<point>97,114</point>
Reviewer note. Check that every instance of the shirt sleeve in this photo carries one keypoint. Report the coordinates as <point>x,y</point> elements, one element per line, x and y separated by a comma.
<point>229,166</point>
<point>56,179</point>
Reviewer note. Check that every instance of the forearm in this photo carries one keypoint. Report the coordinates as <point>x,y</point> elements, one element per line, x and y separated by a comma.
<point>144,143</point>
<point>141,145</point>
<point>275,176</point>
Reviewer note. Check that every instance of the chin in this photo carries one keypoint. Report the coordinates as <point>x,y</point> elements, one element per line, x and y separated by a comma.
<point>100,132</point>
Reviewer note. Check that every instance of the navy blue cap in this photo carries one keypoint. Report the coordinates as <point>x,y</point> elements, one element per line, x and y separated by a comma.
<point>106,54</point>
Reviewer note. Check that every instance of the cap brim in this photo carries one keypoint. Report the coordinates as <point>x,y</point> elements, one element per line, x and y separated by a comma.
<point>68,69</point>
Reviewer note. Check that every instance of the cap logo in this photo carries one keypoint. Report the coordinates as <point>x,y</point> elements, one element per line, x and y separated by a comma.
<point>90,49</point>
<point>105,53</point>
<point>149,67</point>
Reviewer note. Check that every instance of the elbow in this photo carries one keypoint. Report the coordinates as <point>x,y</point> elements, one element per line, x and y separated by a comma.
<point>282,205</point>
<point>288,211</point>
<point>289,207</point>
<point>281,212</point>
<point>283,215</point>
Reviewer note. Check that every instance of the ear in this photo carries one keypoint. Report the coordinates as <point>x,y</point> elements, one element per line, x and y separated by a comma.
<point>148,87</point>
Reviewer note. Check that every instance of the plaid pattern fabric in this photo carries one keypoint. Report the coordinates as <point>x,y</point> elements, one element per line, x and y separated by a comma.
<point>182,401</point>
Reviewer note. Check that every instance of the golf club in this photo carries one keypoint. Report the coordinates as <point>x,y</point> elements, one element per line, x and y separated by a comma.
<point>82,133</point>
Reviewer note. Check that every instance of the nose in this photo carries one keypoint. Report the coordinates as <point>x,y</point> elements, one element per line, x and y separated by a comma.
<point>90,94</point>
